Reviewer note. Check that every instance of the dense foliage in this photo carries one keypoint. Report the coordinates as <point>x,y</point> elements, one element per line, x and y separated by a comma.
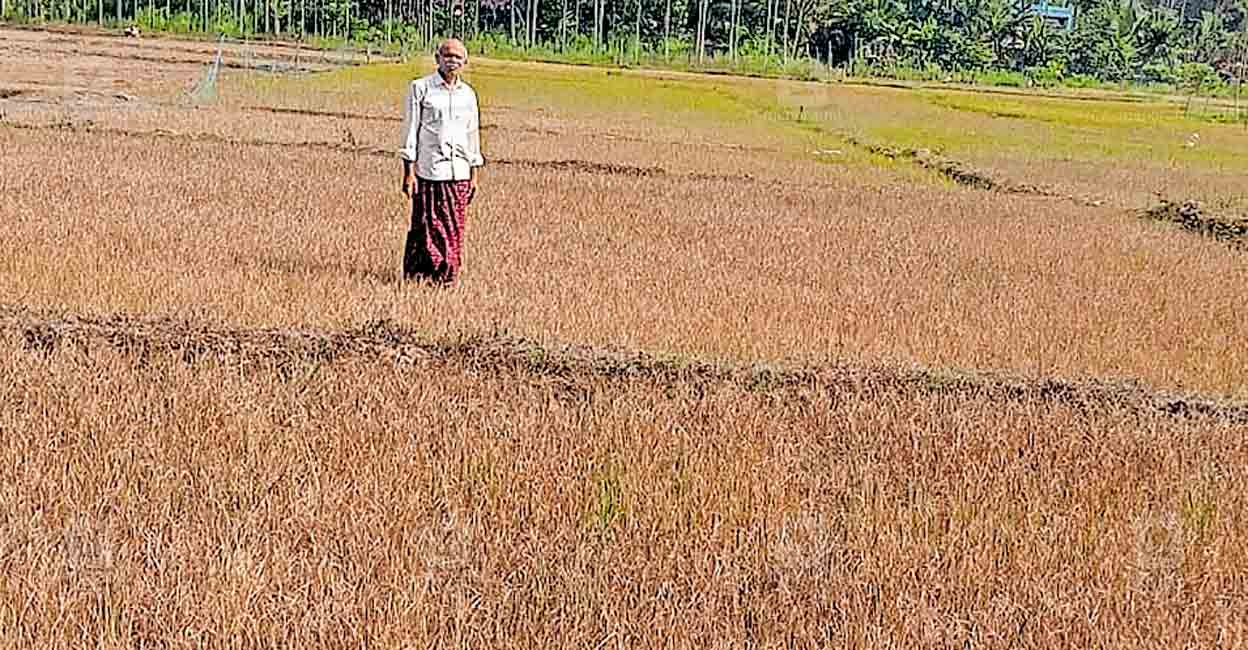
<point>1177,42</point>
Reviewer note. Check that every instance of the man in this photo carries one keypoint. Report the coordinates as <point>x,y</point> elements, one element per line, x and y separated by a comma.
<point>441,152</point>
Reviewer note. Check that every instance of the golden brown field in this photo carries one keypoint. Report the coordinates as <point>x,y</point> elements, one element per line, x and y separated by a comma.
<point>713,377</point>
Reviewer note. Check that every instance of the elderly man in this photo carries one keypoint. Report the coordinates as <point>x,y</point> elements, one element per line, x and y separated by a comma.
<point>441,151</point>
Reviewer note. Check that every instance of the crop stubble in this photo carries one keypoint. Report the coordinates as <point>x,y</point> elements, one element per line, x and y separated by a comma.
<point>437,503</point>
<point>179,500</point>
<point>846,268</point>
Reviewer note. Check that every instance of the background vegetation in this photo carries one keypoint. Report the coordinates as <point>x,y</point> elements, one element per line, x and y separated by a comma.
<point>1194,45</point>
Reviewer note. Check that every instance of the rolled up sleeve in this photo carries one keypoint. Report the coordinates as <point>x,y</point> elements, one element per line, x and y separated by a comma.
<point>474,142</point>
<point>409,142</point>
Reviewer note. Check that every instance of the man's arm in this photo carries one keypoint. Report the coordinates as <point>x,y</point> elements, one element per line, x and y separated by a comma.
<point>409,178</point>
<point>475,159</point>
<point>409,149</point>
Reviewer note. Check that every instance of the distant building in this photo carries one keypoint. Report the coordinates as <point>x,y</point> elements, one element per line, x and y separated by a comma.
<point>1063,16</point>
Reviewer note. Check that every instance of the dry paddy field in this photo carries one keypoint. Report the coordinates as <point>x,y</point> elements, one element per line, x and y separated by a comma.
<point>714,376</point>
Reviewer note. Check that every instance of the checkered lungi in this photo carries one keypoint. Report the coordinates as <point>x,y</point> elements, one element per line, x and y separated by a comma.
<point>435,241</point>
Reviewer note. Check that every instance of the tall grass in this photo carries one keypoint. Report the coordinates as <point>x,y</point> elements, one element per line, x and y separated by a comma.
<point>149,502</point>
<point>201,497</point>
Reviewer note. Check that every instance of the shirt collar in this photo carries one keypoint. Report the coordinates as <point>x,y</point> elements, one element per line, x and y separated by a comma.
<point>437,78</point>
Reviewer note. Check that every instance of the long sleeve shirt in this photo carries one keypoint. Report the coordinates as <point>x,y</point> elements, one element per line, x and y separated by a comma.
<point>441,129</point>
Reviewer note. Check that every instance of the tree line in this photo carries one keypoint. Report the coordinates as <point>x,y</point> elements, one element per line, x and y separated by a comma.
<point>1165,41</point>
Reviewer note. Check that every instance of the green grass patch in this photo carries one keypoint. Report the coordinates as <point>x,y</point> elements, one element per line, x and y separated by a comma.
<point>1066,130</point>
<point>1065,112</point>
<point>743,110</point>
<point>809,120</point>
<point>569,90</point>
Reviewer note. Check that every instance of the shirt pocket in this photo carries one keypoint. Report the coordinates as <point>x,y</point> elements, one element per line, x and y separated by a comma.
<point>430,112</point>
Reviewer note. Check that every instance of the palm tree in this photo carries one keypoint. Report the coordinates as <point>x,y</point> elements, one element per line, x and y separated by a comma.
<point>1209,37</point>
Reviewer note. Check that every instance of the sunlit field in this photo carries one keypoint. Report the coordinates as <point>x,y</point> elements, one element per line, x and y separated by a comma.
<point>731,363</point>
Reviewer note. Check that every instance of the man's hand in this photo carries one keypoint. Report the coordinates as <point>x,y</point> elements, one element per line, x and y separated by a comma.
<point>472,186</point>
<point>409,185</point>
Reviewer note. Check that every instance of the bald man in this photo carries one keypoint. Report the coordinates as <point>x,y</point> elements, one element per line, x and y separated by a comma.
<point>441,152</point>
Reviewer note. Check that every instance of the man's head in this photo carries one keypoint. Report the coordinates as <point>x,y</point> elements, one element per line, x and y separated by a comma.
<point>452,57</point>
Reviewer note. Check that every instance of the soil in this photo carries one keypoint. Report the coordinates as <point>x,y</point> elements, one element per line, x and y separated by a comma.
<point>1194,217</point>
<point>97,69</point>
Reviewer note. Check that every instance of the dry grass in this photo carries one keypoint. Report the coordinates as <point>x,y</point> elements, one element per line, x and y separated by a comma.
<point>173,489</point>
<point>402,506</point>
<point>848,268</point>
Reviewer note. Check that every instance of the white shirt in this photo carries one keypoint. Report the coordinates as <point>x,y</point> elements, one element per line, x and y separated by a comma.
<point>441,129</point>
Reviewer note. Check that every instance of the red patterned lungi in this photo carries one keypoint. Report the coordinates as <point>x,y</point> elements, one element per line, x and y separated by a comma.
<point>435,242</point>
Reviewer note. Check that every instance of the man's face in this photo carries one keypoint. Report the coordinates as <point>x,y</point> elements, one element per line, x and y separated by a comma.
<point>452,57</point>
